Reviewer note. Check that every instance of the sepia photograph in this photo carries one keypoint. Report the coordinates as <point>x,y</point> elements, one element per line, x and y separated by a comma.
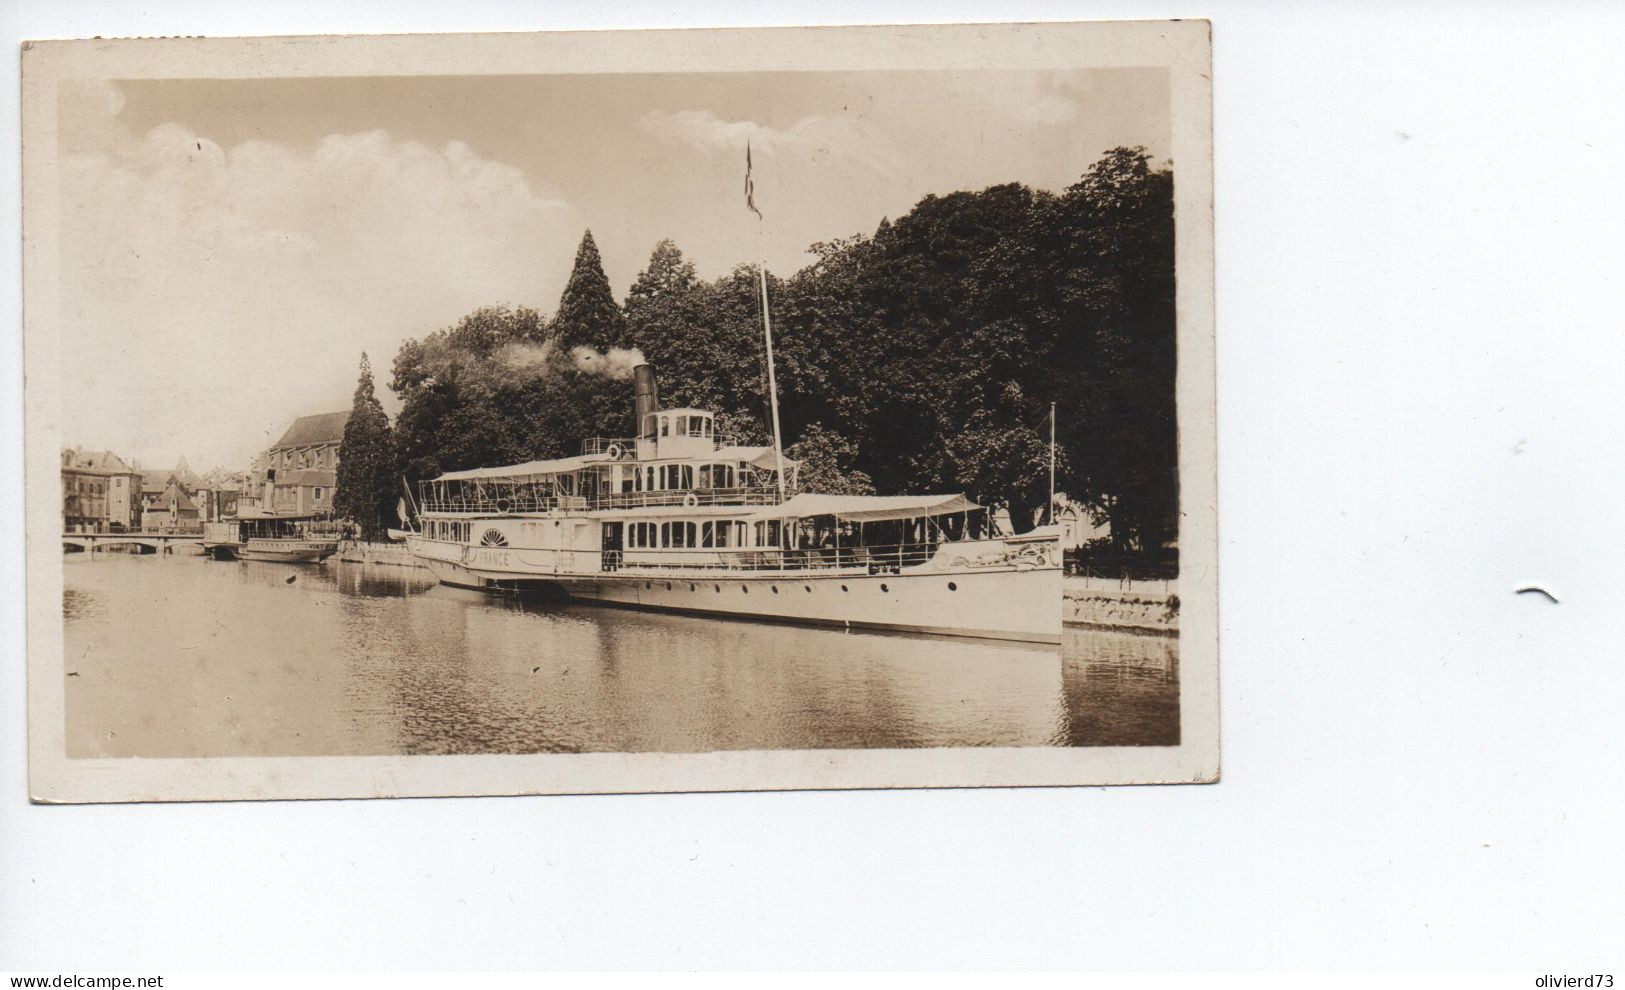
<point>700,410</point>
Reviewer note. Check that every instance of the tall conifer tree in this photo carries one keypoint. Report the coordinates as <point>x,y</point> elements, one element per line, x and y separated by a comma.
<point>588,315</point>
<point>366,472</point>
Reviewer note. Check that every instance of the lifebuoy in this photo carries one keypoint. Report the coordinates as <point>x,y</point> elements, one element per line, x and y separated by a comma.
<point>504,506</point>
<point>615,451</point>
<point>690,500</point>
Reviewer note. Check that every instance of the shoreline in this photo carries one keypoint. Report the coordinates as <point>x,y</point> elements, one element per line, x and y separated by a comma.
<point>1145,607</point>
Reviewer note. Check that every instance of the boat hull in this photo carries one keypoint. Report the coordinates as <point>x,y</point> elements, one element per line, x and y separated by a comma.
<point>1017,604</point>
<point>287,551</point>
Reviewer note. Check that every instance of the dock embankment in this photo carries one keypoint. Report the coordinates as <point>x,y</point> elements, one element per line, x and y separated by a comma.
<point>362,552</point>
<point>1132,606</point>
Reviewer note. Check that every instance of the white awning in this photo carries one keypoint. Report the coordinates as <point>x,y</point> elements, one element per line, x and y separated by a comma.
<point>559,465</point>
<point>757,457</point>
<point>867,508</point>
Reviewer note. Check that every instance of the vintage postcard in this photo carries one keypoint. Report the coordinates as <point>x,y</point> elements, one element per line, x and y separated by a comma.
<point>624,411</point>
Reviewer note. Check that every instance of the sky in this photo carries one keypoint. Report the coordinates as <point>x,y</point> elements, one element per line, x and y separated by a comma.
<point>229,248</point>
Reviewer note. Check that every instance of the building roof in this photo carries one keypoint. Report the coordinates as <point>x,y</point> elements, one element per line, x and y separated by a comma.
<point>105,460</point>
<point>310,476</point>
<point>155,481</point>
<point>94,461</point>
<point>183,502</point>
<point>186,476</point>
<point>319,428</point>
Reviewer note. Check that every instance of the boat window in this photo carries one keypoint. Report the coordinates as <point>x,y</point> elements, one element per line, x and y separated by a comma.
<point>696,426</point>
<point>705,476</point>
<point>687,476</point>
<point>708,537</point>
<point>665,426</point>
<point>682,425</point>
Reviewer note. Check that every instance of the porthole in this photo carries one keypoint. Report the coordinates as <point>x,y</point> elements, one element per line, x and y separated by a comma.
<point>691,587</point>
<point>719,589</point>
<point>745,588</point>
<point>884,588</point>
<point>952,586</point>
<point>809,588</point>
<point>668,585</point>
<point>647,586</point>
<point>775,589</point>
<point>843,587</point>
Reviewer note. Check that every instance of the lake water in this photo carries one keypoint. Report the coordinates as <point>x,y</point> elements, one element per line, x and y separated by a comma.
<point>182,656</point>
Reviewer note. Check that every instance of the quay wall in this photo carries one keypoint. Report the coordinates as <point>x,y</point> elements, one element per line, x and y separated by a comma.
<point>361,552</point>
<point>1134,606</point>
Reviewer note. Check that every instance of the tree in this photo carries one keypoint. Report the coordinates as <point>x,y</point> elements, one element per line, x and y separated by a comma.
<point>1106,262</point>
<point>365,486</point>
<point>922,358</point>
<point>587,314</point>
<point>826,458</point>
<point>474,394</point>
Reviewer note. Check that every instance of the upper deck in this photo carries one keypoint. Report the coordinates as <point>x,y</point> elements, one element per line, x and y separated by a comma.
<point>681,462</point>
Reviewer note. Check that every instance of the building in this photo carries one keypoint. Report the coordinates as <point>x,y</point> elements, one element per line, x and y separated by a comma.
<point>303,492</point>
<point>221,494</point>
<point>173,511</point>
<point>100,492</point>
<point>155,485</point>
<point>1080,523</point>
<point>301,469</point>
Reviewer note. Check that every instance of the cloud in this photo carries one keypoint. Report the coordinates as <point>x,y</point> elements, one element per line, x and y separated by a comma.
<point>1054,99</point>
<point>817,138</point>
<point>211,294</point>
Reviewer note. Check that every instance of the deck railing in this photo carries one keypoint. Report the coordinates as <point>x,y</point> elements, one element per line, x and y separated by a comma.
<point>756,495</point>
<point>600,445</point>
<point>521,500</point>
<point>888,559</point>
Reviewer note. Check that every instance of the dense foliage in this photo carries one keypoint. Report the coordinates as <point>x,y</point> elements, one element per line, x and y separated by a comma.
<point>367,483</point>
<point>921,358</point>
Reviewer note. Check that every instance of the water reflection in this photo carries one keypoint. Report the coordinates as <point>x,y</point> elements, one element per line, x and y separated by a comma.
<point>192,657</point>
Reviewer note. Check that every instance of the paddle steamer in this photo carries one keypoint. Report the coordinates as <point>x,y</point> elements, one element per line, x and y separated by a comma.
<point>283,539</point>
<point>680,518</point>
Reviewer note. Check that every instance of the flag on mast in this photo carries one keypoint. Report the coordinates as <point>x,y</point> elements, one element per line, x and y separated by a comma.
<point>750,185</point>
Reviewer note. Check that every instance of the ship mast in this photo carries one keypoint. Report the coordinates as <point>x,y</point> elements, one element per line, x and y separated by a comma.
<point>1052,463</point>
<point>772,383</point>
<point>767,326</point>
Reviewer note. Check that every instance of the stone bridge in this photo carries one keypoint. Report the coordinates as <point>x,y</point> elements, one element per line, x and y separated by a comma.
<point>149,542</point>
